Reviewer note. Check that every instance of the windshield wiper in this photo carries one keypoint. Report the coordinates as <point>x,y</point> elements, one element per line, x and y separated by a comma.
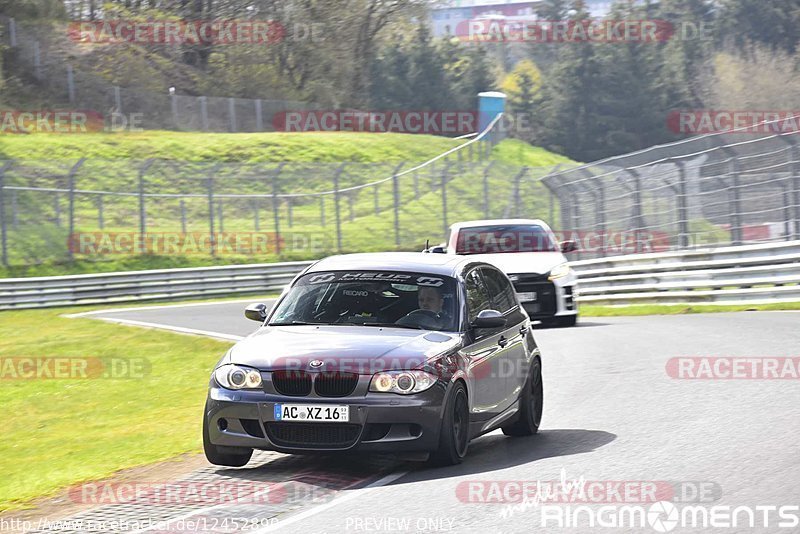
<point>294,323</point>
<point>395,325</point>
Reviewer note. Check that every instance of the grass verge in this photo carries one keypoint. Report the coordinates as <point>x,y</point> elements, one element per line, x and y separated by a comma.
<point>65,431</point>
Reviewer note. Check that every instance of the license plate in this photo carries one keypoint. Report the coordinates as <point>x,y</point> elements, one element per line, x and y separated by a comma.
<point>527,297</point>
<point>305,412</point>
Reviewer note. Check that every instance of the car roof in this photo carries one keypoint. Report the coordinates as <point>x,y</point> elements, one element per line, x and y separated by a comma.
<point>417,262</point>
<point>497,222</point>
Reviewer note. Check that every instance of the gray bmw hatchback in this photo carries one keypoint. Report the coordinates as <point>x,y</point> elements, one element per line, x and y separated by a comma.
<point>386,352</point>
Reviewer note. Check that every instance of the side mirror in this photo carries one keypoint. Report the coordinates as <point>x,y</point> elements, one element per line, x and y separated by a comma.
<point>489,319</point>
<point>441,249</point>
<point>568,246</point>
<point>256,312</point>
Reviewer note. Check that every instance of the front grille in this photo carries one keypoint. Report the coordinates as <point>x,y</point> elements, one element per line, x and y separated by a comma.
<point>313,435</point>
<point>545,303</point>
<point>335,384</point>
<point>292,383</point>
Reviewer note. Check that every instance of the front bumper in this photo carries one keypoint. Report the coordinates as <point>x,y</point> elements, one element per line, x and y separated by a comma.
<point>378,422</point>
<point>553,298</point>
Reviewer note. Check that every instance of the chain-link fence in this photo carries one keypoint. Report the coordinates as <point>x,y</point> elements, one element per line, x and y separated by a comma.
<point>732,188</point>
<point>40,52</point>
<point>90,209</point>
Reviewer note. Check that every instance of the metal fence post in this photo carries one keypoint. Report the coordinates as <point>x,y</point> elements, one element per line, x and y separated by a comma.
<point>445,225</point>
<point>142,208</point>
<point>322,210</point>
<point>259,118</point>
<point>220,217</point>
<point>637,208</point>
<point>210,190</point>
<point>117,99</point>
<point>71,225</point>
<point>735,197</point>
<point>3,229</point>
<point>486,202</point>
<point>289,212</point>
<point>683,206</point>
<point>232,113</point>
<point>787,206</point>
<point>174,104</point>
<point>396,195</point>
<point>336,175</point>
<point>795,170</point>
<point>276,215</point>
<point>12,32</point>
<point>204,113</point>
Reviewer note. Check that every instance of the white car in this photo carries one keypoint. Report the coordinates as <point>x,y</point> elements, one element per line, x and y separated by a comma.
<point>528,251</point>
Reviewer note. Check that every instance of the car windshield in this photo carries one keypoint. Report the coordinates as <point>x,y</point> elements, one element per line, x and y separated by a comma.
<point>371,298</point>
<point>504,239</point>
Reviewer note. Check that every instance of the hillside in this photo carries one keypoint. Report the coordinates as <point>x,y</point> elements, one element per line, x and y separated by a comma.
<point>245,164</point>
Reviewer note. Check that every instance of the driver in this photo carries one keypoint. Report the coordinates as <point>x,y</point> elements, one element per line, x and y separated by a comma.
<point>430,299</point>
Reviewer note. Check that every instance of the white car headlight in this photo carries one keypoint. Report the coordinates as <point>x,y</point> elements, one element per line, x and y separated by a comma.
<point>559,271</point>
<point>402,382</point>
<point>237,377</point>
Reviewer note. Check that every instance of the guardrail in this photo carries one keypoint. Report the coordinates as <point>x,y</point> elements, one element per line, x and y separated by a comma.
<point>746,274</point>
<point>750,274</point>
<point>168,284</point>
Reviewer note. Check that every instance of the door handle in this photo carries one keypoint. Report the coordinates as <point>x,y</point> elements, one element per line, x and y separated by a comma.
<point>502,341</point>
<point>523,331</point>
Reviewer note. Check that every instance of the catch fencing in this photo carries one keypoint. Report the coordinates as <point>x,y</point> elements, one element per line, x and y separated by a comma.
<point>735,187</point>
<point>54,211</point>
<point>40,52</point>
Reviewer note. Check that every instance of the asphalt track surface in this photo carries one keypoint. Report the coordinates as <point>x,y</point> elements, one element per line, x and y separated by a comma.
<point>612,414</point>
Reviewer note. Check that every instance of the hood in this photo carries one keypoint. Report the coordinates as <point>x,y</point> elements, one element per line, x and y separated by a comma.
<point>358,349</point>
<point>523,262</point>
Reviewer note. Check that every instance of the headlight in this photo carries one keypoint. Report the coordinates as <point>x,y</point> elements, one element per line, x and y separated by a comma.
<point>237,377</point>
<point>402,382</point>
<point>559,272</point>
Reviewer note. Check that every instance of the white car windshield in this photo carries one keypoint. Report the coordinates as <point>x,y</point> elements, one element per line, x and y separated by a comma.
<point>504,239</point>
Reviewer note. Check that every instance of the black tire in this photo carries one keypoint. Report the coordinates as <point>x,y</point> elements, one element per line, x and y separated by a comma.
<point>567,321</point>
<point>454,435</point>
<point>216,457</point>
<point>531,405</point>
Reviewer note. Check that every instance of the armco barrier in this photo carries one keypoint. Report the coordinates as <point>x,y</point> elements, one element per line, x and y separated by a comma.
<point>172,284</point>
<point>752,273</point>
<point>761,273</point>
